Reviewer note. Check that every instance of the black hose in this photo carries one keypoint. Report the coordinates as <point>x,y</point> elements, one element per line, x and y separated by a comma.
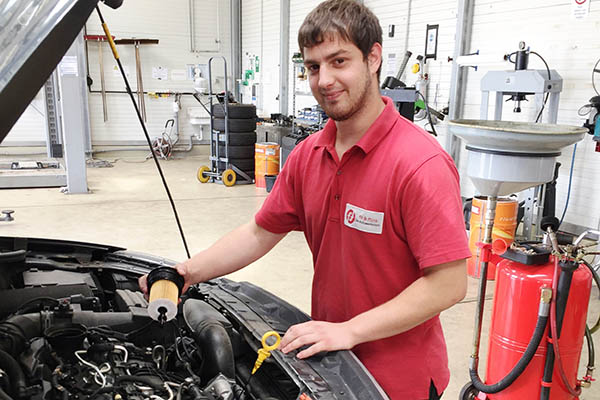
<point>29,305</point>
<point>562,295</point>
<point>146,380</point>
<point>596,326</point>
<point>58,387</point>
<point>518,369</point>
<point>433,131</point>
<point>539,116</point>
<point>17,330</point>
<point>591,351</point>
<point>4,396</point>
<point>12,256</point>
<point>256,388</point>
<point>15,374</point>
<point>211,336</point>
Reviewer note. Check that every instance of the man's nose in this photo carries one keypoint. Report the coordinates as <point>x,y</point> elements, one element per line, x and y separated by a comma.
<point>326,77</point>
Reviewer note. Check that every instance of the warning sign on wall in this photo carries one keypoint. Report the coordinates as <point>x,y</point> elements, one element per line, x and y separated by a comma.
<point>580,8</point>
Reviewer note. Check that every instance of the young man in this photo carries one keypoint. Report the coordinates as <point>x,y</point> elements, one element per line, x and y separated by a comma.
<point>379,203</point>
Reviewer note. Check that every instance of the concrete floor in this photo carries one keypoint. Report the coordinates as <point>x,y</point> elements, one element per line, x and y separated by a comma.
<point>128,207</point>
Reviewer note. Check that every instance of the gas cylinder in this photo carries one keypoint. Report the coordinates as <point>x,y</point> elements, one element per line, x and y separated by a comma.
<point>514,316</point>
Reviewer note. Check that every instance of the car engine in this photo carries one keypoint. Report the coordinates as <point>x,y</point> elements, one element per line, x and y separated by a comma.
<point>87,335</point>
<point>74,325</point>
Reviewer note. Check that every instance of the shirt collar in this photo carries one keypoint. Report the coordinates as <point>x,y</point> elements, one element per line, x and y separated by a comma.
<point>377,131</point>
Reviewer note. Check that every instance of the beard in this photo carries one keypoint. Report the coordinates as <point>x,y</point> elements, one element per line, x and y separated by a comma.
<point>339,111</point>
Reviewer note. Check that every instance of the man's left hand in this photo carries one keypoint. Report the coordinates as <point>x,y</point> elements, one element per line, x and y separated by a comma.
<point>323,336</point>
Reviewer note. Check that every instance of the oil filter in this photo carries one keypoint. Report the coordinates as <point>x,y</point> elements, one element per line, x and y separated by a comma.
<point>164,285</point>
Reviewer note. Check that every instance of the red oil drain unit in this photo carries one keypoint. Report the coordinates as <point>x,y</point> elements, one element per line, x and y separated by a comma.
<point>540,294</point>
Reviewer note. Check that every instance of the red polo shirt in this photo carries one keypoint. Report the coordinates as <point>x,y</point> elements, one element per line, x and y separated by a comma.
<point>373,221</point>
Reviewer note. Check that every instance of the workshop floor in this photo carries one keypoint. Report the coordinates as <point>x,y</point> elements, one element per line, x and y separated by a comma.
<point>128,207</point>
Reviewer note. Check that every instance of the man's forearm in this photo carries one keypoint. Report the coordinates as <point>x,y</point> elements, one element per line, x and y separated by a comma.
<point>232,252</point>
<point>422,300</point>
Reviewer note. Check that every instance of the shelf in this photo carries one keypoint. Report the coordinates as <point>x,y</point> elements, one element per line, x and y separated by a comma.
<point>304,121</point>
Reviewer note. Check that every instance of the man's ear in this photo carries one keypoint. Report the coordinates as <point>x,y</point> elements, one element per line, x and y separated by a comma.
<point>374,58</point>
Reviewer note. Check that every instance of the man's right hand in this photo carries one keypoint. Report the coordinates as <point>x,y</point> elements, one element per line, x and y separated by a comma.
<point>182,269</point>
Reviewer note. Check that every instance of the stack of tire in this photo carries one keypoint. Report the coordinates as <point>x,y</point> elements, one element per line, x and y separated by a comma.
<point>241,135</point>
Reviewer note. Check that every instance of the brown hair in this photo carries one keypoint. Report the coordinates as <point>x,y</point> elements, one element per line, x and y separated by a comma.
<point>350,19</point>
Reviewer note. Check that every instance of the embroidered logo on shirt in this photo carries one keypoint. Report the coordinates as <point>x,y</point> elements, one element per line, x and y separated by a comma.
<point>363,220</point>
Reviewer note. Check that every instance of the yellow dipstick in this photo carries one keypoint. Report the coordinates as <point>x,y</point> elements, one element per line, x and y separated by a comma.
<point>265,352</point>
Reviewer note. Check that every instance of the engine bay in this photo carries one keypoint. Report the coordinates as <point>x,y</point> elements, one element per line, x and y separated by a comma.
<point>74,325</point>
<point>86,335</point>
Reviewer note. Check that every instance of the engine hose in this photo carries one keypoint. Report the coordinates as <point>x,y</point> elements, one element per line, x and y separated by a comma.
<point>256,388</point>
<point>146,380</point>
<point>523,362</point>
<point>56,385</point>
<point>4,396</point>
<point>15,373</point>
<point>17,330</point>
<point>595,328</point>
<point>211,336</point>
<point>12,256</point>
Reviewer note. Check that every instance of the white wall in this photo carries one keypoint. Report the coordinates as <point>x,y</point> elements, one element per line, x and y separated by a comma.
<point>569,46</point>
<point>260,36</point>
<point>30,129</point>
<point>167,21</point>
<point>545,25</point>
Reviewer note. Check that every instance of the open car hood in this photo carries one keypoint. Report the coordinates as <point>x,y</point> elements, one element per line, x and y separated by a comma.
<point>34,37</point>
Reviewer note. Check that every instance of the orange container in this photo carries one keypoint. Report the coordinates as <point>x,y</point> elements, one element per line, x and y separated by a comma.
<point>266,162</point>
<point>505,224</point>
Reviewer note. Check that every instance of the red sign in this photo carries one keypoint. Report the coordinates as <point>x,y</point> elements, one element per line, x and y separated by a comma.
<point>350,216</point>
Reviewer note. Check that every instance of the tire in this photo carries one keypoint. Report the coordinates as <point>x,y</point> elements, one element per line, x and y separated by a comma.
<point>228,177</point>
<point>235,110</point>
<point>468,392</point>
<point>236,151</point>
<point>235,125</point>
<point>249,173</point>
<point>245,164</point>
<point>237,138</point>
<point>200,175</point>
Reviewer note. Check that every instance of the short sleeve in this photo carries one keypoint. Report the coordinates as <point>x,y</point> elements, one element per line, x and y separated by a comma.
<point>432,215</point>
<point>279,212</point>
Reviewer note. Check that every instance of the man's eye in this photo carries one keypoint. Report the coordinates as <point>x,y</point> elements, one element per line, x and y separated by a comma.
<point>313,68</point>
<point>339,61</point>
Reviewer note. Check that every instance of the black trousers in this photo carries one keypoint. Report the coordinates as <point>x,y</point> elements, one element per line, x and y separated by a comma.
<point>433,393</point>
